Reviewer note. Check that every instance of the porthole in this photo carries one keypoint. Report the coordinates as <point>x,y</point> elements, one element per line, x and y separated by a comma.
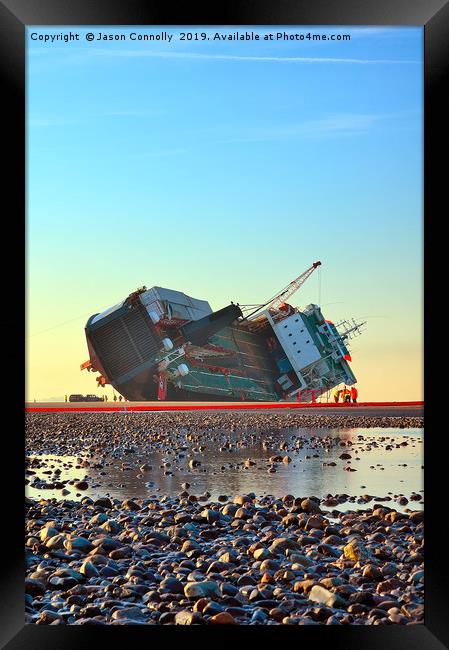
<point>290,334</point>
<point>308,341</point>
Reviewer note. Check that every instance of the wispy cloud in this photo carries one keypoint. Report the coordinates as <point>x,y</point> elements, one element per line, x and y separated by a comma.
<point>327,126</point>
<point>162,153</point>
<point>397,32</point>
<point>67,120</point>
<point>51,120</point>
<point>233,57</point>
<point>130,112</point>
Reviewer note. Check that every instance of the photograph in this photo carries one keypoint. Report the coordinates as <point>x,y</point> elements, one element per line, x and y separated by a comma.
<point>224,387</point>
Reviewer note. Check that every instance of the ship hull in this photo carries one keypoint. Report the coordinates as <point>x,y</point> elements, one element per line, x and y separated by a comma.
<point>161,344</point>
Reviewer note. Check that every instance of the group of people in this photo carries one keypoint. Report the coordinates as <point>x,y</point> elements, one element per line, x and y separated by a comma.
<point>105,398</point>
<point>346,394</point>
<point>120,398</point>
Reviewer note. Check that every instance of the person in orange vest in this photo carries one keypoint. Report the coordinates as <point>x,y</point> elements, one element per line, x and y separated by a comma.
<point>336,394</point>
<point>354,394</point>
<point>346,395</point>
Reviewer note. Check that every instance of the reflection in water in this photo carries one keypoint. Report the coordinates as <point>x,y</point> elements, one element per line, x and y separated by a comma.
<point>380,471</point>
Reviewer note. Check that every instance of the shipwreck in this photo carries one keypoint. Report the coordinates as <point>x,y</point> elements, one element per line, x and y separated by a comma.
<point>163,344</point>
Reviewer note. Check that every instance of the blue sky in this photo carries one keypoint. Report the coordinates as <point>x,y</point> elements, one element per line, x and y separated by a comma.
<point>224,170</point>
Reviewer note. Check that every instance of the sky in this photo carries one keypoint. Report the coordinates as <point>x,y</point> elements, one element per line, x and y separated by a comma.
<point>224,169</point>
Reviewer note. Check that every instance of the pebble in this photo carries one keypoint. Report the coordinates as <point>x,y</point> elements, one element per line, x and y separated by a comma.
<point>201,589</point>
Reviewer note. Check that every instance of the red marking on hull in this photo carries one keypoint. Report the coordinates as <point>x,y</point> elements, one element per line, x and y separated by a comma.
<point>212,407</point>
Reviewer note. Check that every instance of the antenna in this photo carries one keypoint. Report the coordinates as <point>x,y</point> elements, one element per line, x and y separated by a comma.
<point>349,329</point>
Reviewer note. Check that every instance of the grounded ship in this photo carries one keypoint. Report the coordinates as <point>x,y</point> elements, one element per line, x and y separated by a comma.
<point>162,344</point>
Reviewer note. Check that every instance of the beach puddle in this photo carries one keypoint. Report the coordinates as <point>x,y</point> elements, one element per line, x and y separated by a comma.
<point>388,463</point>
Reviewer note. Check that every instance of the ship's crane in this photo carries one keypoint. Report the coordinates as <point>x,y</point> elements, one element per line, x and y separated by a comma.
<point>291,288</point>
<point>288,291</point>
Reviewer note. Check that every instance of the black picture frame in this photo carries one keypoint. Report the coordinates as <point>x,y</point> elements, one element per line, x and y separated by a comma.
<point>15,15</point>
